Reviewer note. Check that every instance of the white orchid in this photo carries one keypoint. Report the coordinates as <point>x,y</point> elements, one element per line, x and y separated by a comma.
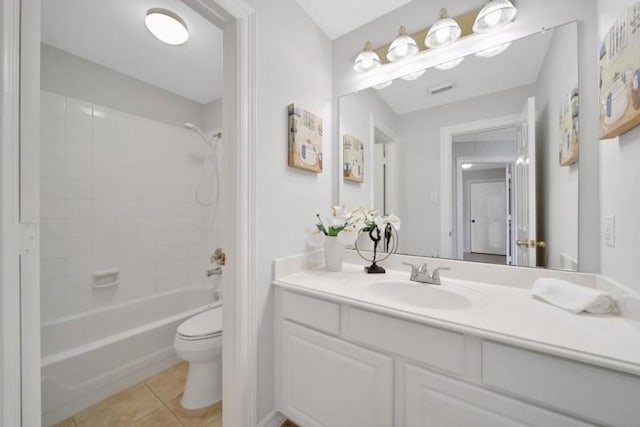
<point>341,223</point>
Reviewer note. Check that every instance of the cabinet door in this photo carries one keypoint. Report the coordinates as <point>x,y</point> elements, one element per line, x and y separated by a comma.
<point>435,400</point>
<point>331,383</point>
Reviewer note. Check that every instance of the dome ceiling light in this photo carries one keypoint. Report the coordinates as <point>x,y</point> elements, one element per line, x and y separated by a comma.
<point>443,32</point>
<point>493,51</point>
<point>403,46</point>
<point>413,76</point>
<point>449,64</point>
<point>367,59</point>
<point>494,16</point>
<point>166,26</point>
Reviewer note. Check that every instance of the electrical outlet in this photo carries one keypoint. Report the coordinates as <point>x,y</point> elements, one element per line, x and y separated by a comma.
<point>609,230</point>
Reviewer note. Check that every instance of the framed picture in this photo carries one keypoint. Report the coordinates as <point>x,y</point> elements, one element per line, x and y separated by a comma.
<point>569,130</point>
<point>620,75</point>
<point>353,155</point>
<point>305,139</point>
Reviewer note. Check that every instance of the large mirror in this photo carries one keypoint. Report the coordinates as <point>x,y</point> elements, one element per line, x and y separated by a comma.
<point>478,158</point>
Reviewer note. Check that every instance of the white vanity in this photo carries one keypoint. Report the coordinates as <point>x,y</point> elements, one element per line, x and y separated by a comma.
<point>379,350</point>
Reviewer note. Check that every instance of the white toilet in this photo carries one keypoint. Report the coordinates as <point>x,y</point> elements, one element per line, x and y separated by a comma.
<point>199,342</point>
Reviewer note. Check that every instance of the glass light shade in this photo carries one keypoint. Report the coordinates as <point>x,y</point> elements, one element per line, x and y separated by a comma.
<point>449,64</point>
<point>493,51</point>
<point>413,76</point>
<point>443,32</point>
<point>494,15</point>
<point>366,60</point>
<point>383,85</point>
<point>166,26</point>
<point>402,47</point>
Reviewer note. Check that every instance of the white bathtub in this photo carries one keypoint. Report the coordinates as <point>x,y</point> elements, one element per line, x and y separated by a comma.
<point>90,356</point>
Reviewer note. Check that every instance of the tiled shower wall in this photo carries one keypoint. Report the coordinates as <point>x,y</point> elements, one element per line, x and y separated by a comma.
<point>117,192</point>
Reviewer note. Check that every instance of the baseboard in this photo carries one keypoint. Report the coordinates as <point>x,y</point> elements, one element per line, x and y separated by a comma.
<point>273,419</point>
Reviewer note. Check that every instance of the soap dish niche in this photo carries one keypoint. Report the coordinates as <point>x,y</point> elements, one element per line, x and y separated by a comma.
<point>106,279</point>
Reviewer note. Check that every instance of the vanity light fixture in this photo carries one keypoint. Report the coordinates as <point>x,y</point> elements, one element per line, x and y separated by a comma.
<point>467,166</point>
<point>443,32</point>
<point>493,51</point>
<point>413,76</point>
<point>367,59</point>
<point>403,46</point>
<point>383,85</point>
<point>494,15</point>
<point>449,64</point>
<point>166,26</point>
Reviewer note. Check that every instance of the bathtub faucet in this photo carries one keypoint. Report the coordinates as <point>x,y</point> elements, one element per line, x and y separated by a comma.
<point>214,272</point>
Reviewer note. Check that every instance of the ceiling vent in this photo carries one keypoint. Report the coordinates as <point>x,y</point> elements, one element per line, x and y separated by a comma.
<point>441,88</point>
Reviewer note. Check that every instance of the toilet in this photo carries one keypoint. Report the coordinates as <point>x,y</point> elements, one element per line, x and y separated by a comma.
<point>198,340</point>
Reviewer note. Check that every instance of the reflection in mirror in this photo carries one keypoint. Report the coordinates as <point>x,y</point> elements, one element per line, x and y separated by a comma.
<point>478,158</point>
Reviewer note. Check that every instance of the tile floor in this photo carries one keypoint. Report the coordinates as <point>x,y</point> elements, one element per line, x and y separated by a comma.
<point>152,403</point>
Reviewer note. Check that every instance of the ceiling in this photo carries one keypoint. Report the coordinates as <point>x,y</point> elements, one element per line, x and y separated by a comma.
<point>112,33</point>
<point>339,17</point>
<point>494,135</point>
<point>518,66</point>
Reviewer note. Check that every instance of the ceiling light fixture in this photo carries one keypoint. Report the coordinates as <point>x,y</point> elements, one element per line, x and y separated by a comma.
<point>413,76</point>
<point>494,15</point>
<point>367,59</point>
<point>493,51</point>
<point>383,85</point>
<point>443,32</point>
<point>467,166</point>
<point>166,26</point>
<point>403,46</point>
<point>449,64</point>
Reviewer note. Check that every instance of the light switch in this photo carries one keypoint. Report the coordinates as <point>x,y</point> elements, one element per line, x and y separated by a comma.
<point>609,230</point>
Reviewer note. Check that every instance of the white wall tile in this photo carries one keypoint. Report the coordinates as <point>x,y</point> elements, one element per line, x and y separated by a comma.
<point>52,208</point>
<point>53,269</point>
<point>52,188</point>
<point>53,289</point>
<point>53,147</point>
<point>79,112</point>
<point>79,170</point>
<point>52,228</point>
<point>79,189</point>
<point>78,247</point>
<point>52,168</point>
<point>52,105</point>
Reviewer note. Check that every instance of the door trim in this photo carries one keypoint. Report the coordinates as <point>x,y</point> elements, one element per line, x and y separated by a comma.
<point>447,134</point>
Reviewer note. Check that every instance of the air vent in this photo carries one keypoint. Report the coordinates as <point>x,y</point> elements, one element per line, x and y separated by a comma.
<point>441,88</point>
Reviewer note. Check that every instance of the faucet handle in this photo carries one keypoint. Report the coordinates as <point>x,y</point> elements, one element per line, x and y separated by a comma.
<point>436,273</point>
<point>414,270</point>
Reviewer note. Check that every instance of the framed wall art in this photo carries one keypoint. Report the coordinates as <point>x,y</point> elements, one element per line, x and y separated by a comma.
<point>569,129</point>
<point>305,139</point>
<point>353,155</point>
<point>620,75</point>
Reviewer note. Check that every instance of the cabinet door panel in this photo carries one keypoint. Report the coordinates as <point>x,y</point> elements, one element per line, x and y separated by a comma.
<point>433,400</point>
<point>331,383</point>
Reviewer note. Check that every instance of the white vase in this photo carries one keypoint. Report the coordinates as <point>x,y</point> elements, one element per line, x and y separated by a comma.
<point>333,252</point>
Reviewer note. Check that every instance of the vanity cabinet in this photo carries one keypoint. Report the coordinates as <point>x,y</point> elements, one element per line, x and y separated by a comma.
<point>343,364</point>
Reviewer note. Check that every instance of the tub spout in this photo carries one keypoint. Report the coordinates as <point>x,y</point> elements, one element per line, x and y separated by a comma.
<point>214,272</point>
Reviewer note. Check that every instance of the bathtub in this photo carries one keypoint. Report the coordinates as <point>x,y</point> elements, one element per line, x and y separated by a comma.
<point>90,356</point>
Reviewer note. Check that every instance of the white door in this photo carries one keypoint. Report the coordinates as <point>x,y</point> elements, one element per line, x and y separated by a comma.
<point>526,188</point>
<point>379,178</point>
<point>488,217</point>
<point>327,382</point>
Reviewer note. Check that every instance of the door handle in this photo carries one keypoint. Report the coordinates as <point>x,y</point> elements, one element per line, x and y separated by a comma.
<point>532,244</point>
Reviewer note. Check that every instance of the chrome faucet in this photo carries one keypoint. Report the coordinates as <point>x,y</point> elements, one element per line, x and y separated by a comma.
<point>214,271</point>
<point>421,274</point>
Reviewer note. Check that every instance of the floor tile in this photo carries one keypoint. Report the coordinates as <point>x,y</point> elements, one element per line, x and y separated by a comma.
<point>121,409</point>
<point>196,417</point>
<point>170,383</point>
<point>162,417</point>
<point>69,422</point>
<point>216,423</point>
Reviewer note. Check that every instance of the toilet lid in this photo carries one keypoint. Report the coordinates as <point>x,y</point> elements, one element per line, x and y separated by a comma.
<point>206,323</point>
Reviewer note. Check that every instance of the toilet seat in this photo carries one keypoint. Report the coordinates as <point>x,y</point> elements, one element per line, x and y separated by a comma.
<point>207,324</point>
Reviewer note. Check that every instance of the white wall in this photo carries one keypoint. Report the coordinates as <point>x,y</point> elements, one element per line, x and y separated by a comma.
<point>294,65</point>
<point>117,192</point>
<point>557,185</point>
<point>533,15</point>
<point>74,76</point>
<point>356,113</point>
<point>619,189</point>
<point>419,135</point>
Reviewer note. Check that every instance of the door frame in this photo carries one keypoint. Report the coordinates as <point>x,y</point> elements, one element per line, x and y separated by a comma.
<point>447,134</point>
<point>240,340</point>
<point>459,197</point>
<point>392,162</point>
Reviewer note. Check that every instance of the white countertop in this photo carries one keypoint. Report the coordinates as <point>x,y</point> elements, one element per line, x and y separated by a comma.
<point>502,313</point>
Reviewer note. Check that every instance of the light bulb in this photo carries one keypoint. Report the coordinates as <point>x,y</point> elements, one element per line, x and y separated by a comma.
<point>166,26</point>
<point>366,60</point>
<point>402,46</point>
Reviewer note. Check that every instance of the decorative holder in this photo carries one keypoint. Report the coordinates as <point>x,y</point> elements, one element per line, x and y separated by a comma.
<point>390,247</point>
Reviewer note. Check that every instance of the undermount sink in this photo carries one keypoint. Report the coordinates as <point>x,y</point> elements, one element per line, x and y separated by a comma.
<point>420,295</point>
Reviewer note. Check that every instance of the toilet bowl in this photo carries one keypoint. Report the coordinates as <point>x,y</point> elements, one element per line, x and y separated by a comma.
<point>198,340</point>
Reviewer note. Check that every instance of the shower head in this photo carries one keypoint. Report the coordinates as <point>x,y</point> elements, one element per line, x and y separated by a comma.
<point>207,138</point>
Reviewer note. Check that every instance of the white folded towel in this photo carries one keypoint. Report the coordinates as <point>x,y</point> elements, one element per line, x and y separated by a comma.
<point>572,297</point>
